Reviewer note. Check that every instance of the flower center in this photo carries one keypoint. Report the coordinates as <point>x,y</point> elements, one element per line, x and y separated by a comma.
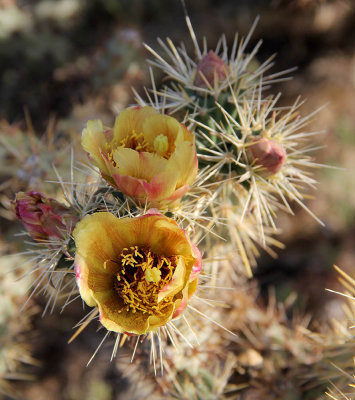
<point>135,141</point>
<point>142,276</point>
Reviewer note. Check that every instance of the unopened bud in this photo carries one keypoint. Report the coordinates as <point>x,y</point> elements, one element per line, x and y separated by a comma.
<point>43,217</point>
<point>208,68</point>
<point>269,154</point>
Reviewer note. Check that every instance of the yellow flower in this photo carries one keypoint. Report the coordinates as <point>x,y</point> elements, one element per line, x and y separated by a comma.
<point>147,156</point>
<point>140,272</point>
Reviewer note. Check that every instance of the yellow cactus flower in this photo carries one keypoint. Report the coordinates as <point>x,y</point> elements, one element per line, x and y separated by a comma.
<point>148,156</point>
<point>140,272</point>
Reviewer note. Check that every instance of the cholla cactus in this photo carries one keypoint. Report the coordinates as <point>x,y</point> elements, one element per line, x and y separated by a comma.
<point>261,149</point>
<point>253,155</point>
<point>141,245</point>
<point>27,160</point>
<point>339,352</point>
<point>15,326</point>
<point>198,81</point>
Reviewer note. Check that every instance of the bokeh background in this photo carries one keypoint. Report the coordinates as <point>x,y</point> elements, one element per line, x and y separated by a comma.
<point>65,61</point>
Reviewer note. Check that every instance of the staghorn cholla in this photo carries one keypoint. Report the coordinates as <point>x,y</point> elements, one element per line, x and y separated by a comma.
<point>161,236</point>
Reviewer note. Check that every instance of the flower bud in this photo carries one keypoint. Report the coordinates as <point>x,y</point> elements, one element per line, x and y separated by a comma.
<point>43,217</point>
<point>269,154</point>
<point>210,66</point>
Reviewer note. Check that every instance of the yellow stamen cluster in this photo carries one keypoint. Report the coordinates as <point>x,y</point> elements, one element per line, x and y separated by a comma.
<point>109,153</point>
<point>135,141</point>
<point>141,277</point>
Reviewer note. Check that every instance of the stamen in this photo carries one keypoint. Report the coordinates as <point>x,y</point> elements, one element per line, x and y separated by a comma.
<point>142,276</point>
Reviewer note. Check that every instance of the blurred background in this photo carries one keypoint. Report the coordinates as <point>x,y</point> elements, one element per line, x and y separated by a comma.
<point>65,61</point>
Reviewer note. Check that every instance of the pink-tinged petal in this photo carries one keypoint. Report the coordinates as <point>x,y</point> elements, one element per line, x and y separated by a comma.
<point>152,211</point>
<point>130,186</point>
<point>146,177</point>
<point>196,269</point>
<point>181,308</point>
<point>160,187</point>
<point>178,194</point>
<point>181,305</point>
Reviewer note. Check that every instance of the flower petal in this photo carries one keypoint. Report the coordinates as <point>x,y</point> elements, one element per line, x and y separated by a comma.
<point>159,124</point>
<point>131,120</point>
<point>176,283</point>
<point>115,317</point>
<point>184,160</point>
<point>81,273</point>
<point>94,140</point>
<point>140,165</point>
<point>98,238</point>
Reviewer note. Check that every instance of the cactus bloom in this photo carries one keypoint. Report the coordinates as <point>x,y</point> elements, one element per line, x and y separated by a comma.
<point>43,217</point>
<point>140,272</point>
<point>148,156</point>
<point>267,153</point>
<point>210,68</point>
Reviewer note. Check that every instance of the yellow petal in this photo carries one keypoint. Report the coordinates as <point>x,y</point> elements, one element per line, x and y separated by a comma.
<point>169,239</point>
<point>131,120</point>
<point>115,317</point>
<point>184,160</point>
<point>98,238</point>
<point>94,141</point>
<point>159,124</point>
<point>140,165</point>
<point>177,281</point>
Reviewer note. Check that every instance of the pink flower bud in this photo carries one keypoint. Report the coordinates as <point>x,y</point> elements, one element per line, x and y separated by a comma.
<point>269,154</point>
<point>43,217</point>
<point>210,66</point>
